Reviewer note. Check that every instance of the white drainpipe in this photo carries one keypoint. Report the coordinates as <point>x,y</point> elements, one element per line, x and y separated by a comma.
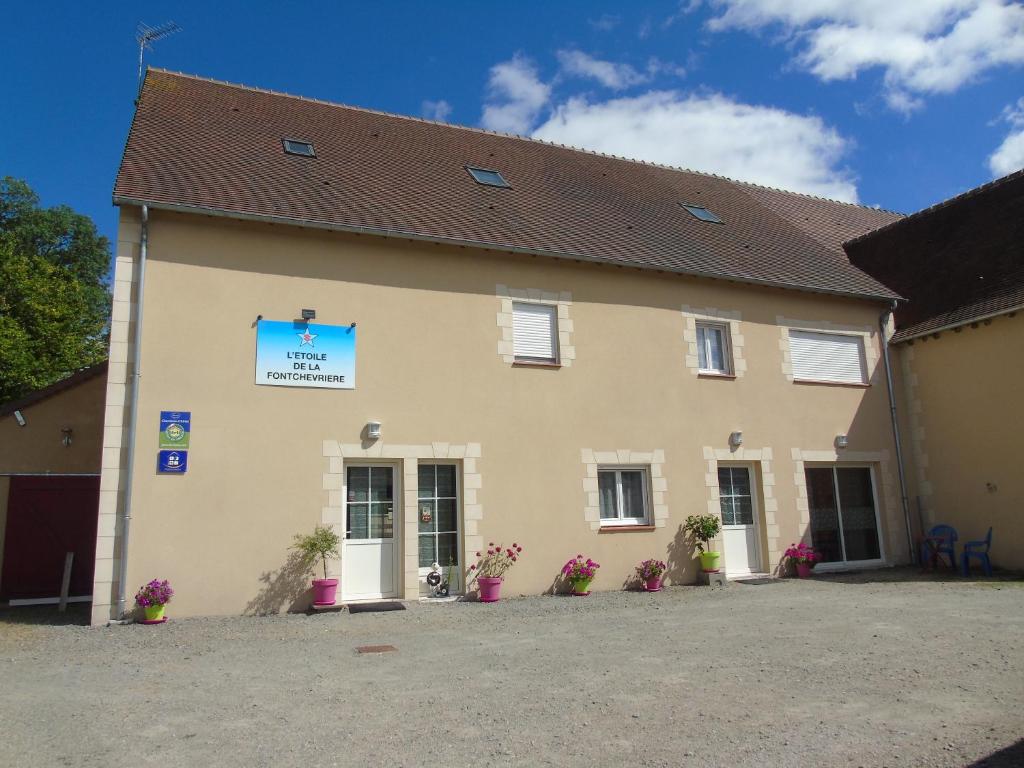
<point>883,322</point>
<point>133,409</point>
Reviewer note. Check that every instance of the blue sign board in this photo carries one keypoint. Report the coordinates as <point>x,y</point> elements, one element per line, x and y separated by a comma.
<point>300,354</point>
<point>173,462</point>
<point>175,429</point>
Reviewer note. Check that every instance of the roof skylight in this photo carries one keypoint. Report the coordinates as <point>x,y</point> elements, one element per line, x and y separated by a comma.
<point>702,213</point>
<point>489,178</point>
<point>293,147</point>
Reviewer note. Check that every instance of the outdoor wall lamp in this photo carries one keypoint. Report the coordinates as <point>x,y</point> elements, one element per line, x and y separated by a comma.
<point>735,439</point>
<point>373,430</point>
<point>842,441</point>
<point>309,314</point>
<point>66,436</point>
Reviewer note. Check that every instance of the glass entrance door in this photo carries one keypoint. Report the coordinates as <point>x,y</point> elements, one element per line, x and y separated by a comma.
<point>369,558</point>
<point>844,521</point>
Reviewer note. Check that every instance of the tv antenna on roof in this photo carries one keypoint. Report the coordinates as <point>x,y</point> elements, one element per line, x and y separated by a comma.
<point>147,35</point>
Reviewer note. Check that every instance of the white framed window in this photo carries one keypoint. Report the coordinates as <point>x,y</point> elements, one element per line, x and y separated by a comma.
<point>535,332</point>
<point>438,516</point>
<point>827,357</point>
<point>623,495</point>
<point>713,350</point>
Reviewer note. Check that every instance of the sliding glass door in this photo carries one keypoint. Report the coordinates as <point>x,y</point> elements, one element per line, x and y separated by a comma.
<point>844,521</point>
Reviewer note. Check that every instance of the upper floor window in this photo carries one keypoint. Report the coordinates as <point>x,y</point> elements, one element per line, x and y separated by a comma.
<point>535,332</point>
<point>827,357</point>
<point>713,353</point>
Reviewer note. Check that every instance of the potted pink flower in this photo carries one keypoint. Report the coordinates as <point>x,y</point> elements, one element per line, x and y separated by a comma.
<point>152,598</point>
<point>490,568</point>
<point>580,573</point>
<point>804,557</point>
<point>650,573</point>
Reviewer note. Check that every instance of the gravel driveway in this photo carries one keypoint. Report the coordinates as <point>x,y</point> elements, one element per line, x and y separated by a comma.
<point>880,669</point>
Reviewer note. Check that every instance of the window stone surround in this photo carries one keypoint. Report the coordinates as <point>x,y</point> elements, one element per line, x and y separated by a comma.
<point>731,320</point>
<point>867,332</point>
<point>408,458</point>
<point>763,457</point>
<point>562,300</point>
<point>653,459</point>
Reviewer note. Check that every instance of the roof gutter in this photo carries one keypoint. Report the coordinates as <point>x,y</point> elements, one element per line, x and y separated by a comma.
<point>464,242</point>
<point>961,323</point>
<point>883,323</point>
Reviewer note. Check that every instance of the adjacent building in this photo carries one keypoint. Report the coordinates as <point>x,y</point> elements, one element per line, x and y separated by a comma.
<point>959,340</point>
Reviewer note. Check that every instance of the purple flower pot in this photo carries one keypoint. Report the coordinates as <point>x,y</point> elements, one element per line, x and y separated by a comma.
<point>653,584</point>
<point>803,570</point>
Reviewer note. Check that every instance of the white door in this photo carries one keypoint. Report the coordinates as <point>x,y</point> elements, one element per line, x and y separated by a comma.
<point>740,537</point>
<point>369,558</point>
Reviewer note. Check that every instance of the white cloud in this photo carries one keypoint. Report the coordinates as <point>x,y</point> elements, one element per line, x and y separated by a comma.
<point>608,73</point>
<point>605,22</point>
<point>515,96</point>
<point>710,133</point>
<point>923,46</point>
<point>436,110</point>
<point>1009,156</point>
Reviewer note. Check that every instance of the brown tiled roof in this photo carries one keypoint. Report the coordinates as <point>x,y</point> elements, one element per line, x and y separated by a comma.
<point>201,145</point>
<point>956,262</point>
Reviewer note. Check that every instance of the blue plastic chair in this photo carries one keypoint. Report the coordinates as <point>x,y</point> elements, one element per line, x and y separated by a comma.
<point>978,549</point>
<point>930,550</point>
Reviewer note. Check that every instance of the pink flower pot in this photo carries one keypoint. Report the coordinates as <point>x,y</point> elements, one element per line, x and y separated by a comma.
<point>803,570</point>
<point>324,591</point>
<point>653,584</point>
<point>490,589</point>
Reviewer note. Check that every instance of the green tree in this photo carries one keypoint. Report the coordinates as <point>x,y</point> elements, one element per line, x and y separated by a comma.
<point>54,301</point>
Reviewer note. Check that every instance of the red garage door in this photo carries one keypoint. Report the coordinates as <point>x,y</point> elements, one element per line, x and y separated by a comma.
<point>48,517</point>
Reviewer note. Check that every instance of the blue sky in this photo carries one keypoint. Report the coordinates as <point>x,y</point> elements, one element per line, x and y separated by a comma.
<point>897,104</point>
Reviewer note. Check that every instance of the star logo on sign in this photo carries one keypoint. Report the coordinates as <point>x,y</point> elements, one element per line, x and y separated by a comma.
<point>306,337</point>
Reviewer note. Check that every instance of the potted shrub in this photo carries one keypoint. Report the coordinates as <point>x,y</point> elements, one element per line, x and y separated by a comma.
<point>701,529</point>
<point>152,598</point>
<point>321,544</point>
<point>804,557</point>
<point>490,568</point>
<point>580,573</point>
<point>650,573</point>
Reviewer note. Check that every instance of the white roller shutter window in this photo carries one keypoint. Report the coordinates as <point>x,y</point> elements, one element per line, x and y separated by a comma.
<point>827,357</point>
<point>535,332</point>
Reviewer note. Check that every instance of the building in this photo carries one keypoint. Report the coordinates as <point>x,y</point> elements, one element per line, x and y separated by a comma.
<point>49,488</point>
<point>960,344</point>
<point>558,348</point>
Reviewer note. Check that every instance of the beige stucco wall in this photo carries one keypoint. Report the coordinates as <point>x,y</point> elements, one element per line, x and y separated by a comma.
<point>265,461</point>
<point>961,396</point>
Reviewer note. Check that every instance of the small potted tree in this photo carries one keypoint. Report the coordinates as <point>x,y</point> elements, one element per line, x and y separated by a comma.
<point>321,544</point>
<point>702,529</point>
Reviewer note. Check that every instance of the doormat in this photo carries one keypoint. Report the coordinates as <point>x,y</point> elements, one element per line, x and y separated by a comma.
<point>756,582</point>
<point>373,607</point>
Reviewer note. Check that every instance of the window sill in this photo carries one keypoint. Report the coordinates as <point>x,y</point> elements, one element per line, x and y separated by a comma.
<point>816,383</point>
<point>713,375</point>
<point>534,364</point>
<point>624,528</point>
